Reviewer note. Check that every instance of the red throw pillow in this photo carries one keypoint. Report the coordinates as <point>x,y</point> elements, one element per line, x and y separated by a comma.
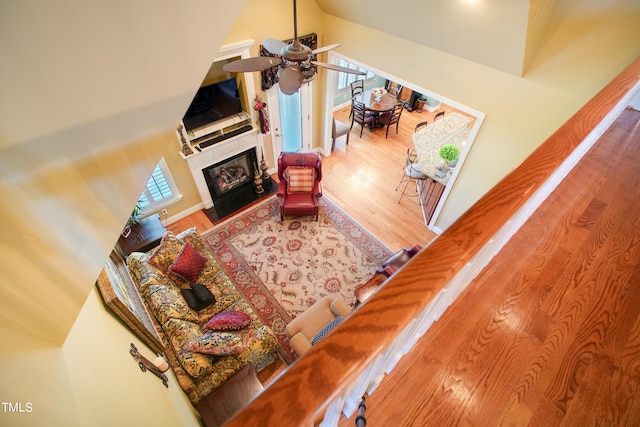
<point>228,321</point>
<point>189,264</point>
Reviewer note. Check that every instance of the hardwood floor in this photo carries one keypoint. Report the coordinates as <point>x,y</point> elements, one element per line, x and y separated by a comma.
<point>361,178</point>
<point>549,333</point>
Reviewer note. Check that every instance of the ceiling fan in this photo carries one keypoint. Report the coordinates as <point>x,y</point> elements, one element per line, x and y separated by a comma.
<point>293,59</point>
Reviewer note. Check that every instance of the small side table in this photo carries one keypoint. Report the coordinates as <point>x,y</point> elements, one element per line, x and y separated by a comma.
<point>144,236</point>
<point>230,397</point>
<point>364,291</point>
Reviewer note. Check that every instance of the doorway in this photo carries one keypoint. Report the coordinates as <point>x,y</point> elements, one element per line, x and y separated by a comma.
<point>291,125</point>
<point>330,108</point>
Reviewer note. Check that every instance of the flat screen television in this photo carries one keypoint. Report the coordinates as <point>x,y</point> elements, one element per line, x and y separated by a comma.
<point>212,103</point>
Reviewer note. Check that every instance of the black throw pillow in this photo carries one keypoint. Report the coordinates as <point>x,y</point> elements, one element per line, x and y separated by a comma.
<point>191,299</point>
<point>203,294</point>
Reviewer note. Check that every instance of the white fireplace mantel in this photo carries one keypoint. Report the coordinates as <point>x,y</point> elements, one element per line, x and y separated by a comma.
<point>223,150</point>
<point>215,154</point>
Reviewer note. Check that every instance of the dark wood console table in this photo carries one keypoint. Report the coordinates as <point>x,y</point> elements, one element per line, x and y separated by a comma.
<point>144,236</point>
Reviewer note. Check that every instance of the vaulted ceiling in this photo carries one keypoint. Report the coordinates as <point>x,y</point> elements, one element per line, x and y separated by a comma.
<point>502,34</point>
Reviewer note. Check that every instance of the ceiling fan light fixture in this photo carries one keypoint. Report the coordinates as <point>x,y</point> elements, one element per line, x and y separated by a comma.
<point>308,73</point>
<point>296,52</point>
<point>290,80</point>
<point>295,60</point>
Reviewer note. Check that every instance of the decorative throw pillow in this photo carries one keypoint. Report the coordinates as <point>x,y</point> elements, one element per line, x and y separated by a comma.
<point>189,264</point>
<point>300,179</point>
<point>165,254</point>
<point>218,343</point>
<point>192,301</point>
<point>194,238</point>
<point>180,334</point>
<point>228,320</point>
<point>203,294</point>
<point>198,297</point>
<point>325,331</point>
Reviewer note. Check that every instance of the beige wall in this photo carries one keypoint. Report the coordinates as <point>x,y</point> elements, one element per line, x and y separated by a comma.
<point>581,55</point>
<point>90,96</point>
<point>91,381</point>
<point>492,33</point>
<point>106,84</point>
<point>258,20</point>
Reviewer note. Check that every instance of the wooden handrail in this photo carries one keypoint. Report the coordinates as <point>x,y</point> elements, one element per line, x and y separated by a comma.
<point>302,393</point>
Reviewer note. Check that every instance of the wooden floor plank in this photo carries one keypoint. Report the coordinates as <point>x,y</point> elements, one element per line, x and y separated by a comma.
<point>549,334</point>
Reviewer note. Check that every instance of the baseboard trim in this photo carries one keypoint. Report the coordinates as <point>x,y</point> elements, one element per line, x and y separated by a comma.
<point>173,218</point>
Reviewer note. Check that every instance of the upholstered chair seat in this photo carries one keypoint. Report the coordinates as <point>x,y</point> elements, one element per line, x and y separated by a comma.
<point>312,325</point>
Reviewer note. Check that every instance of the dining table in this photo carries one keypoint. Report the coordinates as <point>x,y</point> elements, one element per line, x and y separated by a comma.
<point>385,104</point>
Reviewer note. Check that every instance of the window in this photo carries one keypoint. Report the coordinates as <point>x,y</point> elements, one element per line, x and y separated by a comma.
<point>161,190</point>
<point>345,79</point>
<point>291,121</point>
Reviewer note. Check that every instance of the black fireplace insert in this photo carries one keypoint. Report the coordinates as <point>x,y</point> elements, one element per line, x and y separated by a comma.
<point>231,184</point>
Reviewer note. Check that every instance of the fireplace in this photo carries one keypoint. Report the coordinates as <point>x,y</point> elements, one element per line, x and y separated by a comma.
<point>224,175</point>
<point>230,175</point>
<point>231,184</point>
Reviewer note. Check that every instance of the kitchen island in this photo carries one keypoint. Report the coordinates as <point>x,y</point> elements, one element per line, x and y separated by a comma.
<point>451,129</point>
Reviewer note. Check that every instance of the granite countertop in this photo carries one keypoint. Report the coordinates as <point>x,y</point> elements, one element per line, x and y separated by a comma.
<point>451,129</point>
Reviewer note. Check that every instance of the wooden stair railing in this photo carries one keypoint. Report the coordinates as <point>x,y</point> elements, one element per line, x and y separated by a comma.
<point>354,357</point>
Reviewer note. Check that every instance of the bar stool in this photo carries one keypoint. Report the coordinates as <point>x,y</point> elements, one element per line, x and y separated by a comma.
<point>412,173</point>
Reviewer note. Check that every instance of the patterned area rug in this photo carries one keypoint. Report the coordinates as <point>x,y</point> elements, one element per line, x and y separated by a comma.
<point>282,268</point>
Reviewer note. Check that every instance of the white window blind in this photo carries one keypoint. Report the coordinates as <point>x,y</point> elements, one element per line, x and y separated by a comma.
<point>345,79</point>
<point>160,191</point>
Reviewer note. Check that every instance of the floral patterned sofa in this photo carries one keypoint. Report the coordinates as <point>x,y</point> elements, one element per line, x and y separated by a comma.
<point>201,358</point>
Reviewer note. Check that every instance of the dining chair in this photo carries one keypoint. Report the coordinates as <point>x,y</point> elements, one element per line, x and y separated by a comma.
<point>411,174</point>
<point>361,115</point>
<point>394,89</point>
<point>357,88</point>
<point>439,116</point>
<point>392,117</point>
<point>339,129</point>
<point>420,126</point>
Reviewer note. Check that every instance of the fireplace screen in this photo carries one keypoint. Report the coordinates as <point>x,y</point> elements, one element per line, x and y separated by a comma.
<point>229,174</point>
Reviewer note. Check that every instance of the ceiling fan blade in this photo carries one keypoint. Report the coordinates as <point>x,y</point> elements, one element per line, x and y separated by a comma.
<point>273,46</point>
<point>290,80</point>
<point>325,48</point>
<point>338,68</point>
<point>251,64</point>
